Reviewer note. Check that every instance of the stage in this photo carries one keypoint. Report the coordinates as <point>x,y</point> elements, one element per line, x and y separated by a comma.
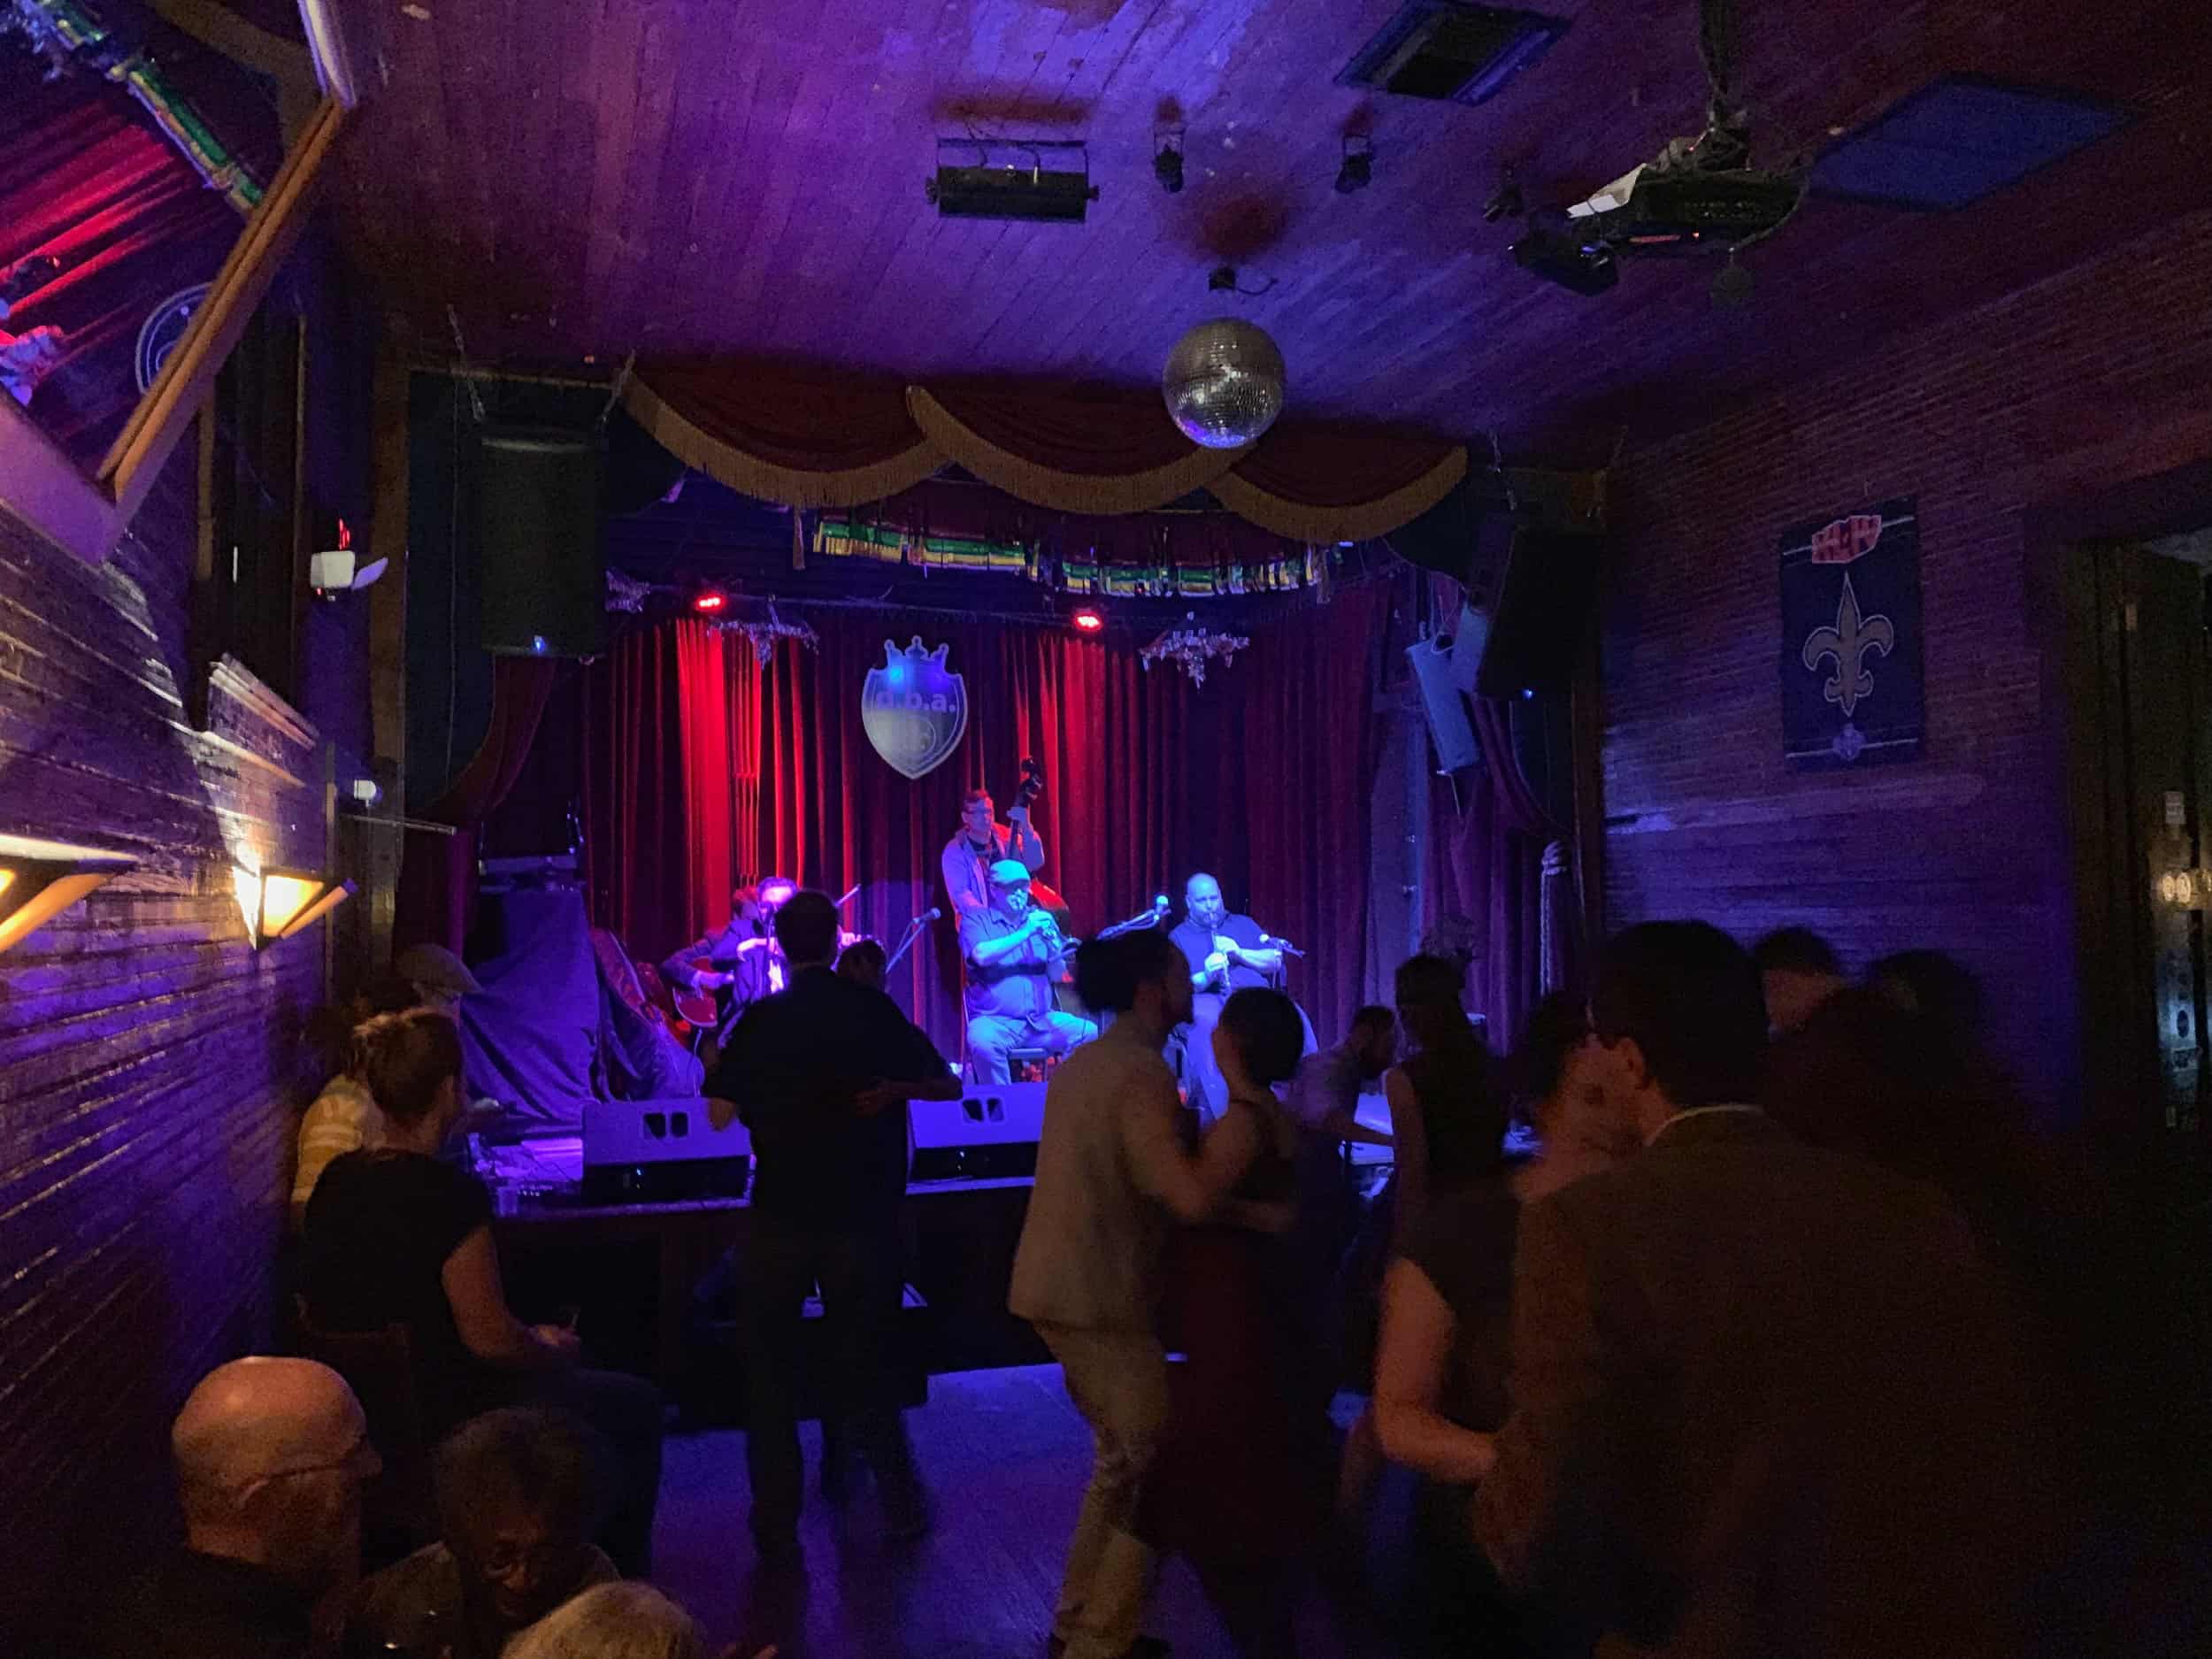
<point>646,1281</point>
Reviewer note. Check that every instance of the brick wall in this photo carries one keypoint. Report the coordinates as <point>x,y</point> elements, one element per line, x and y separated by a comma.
<point>2090,380</point>
<point>148,1059</point>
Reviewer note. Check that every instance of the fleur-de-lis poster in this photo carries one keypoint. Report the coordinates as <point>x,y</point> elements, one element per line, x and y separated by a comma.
<point>1851,694</point>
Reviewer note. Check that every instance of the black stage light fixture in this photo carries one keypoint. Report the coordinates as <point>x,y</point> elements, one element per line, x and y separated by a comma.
<point>1356,171</point>
<point>1046,181</point>
<point>1167,161</point>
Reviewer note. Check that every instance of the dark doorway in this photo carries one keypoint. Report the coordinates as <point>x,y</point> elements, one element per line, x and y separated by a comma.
<point>2139,674</point>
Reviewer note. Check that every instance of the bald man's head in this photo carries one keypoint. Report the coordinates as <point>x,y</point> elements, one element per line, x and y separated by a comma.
<point>270,1457</point>
<point>1202,899</point>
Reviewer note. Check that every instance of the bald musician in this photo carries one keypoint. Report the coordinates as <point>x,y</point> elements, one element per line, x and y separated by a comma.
<point>270,1457</point>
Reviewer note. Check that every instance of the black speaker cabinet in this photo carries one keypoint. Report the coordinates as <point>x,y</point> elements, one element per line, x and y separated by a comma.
<point>541,556</point>
<point>1536,620</point>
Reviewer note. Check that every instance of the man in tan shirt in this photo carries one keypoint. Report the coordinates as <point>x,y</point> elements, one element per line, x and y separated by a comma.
<point>1112,1177</point>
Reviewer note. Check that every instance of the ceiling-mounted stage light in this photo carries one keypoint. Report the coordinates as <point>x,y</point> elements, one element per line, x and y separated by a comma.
<point>40,879</point>
<point>1167,160</point>
<point>1087,619</point>
<point>278,903</point>
<point>709,601</point>
<point>1356,171</point>
<point>1042,180</point>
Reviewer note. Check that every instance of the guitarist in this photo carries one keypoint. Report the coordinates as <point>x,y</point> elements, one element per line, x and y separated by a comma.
<point>982,841</point>
<point>737,965</point>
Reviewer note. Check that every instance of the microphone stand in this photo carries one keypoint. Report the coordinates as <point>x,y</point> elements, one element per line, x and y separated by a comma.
<point>906,940</point>
<point>1148,917</point>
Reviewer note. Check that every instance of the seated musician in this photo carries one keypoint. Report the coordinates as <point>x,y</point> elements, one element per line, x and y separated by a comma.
<point>1013,951</point>
<point>1228,952</point>
<point>741,958</point>
<point>981,843</point>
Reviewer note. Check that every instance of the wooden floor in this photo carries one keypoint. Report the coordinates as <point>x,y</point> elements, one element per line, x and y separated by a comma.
<point>1006,1455</point>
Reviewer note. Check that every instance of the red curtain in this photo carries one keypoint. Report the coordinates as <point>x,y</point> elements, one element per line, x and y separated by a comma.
<point>86,180</point>
<point>1494,858</point>
<point>437,879</point>
<point>704,767</point>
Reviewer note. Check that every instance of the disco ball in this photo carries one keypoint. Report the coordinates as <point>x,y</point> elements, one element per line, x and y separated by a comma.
<point>1223,383</point>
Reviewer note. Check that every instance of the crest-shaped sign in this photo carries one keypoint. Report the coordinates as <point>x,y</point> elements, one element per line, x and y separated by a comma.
<point>163,328</point>
<point>1852,692</point>
<point>914,709</point>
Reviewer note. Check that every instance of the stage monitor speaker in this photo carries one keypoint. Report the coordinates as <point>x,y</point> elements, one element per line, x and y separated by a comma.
<point>661,1151</point>
<point>991,1130</point>
<point>1450,731</point>
<point>541,556</point>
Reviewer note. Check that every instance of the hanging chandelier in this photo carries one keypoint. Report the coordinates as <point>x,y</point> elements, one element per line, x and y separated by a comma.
<point>1191,647</point>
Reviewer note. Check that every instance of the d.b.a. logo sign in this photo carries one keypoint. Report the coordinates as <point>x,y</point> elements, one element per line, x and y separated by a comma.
<point>915,712</point>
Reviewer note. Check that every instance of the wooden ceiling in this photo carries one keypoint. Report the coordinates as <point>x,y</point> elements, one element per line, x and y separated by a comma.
<point>583,178</point>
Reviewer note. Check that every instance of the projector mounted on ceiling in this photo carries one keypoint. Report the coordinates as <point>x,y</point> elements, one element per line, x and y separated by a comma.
<point>1699,196</point>
<point>1044,180</point>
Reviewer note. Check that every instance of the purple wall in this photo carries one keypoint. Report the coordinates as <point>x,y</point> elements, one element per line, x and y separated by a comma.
<point>148,1058</point>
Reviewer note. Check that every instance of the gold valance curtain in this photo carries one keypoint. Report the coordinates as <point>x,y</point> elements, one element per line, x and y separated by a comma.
<point>822,441</point>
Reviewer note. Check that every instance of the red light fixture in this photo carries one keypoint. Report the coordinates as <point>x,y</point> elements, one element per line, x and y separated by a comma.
<point>709,601</point>
<point>1087,619</point>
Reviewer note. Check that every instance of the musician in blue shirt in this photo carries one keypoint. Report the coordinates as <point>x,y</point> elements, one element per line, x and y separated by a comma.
<point>1013,952</point>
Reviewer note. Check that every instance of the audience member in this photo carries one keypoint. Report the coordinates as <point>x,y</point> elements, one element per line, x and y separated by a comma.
<point>862,963</point>
<point>1442,1097</point>
<point>1939,988</point>
<point>821,1072</point>
<point>1554,1090</point>
<point>1439,1387</point>
<point>514,1490</point>
<point>1111,1176</point>
<point>270,1457</point>
<point>344,1116</point>
<point>1241,1482</point>
<point>1443,1107</point>
<point>1330,1081</point>
<point>395,1237</point>
<point>1798,971</point>
<point>614,1621</point>
<point>1764,1399</point>
<point>441,978</point>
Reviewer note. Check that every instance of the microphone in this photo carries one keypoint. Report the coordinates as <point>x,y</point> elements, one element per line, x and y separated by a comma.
<point>1159,903</point>
<point>932,914</point>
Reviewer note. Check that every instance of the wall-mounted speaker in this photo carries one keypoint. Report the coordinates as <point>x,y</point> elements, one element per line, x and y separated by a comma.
<point>1536,622</point>
<point>541,553</point>
<point>1527,637</point>
<point>1466,536</point>
<point>1451,732</point>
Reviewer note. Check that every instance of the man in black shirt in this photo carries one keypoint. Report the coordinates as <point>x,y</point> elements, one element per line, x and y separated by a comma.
<point>1228,952</point>
<point>821,1074</point>
<point>270,1456</point>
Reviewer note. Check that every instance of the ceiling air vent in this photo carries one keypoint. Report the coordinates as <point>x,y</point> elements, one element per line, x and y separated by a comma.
<point>1452,52</point>
<point>1960,138</point>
